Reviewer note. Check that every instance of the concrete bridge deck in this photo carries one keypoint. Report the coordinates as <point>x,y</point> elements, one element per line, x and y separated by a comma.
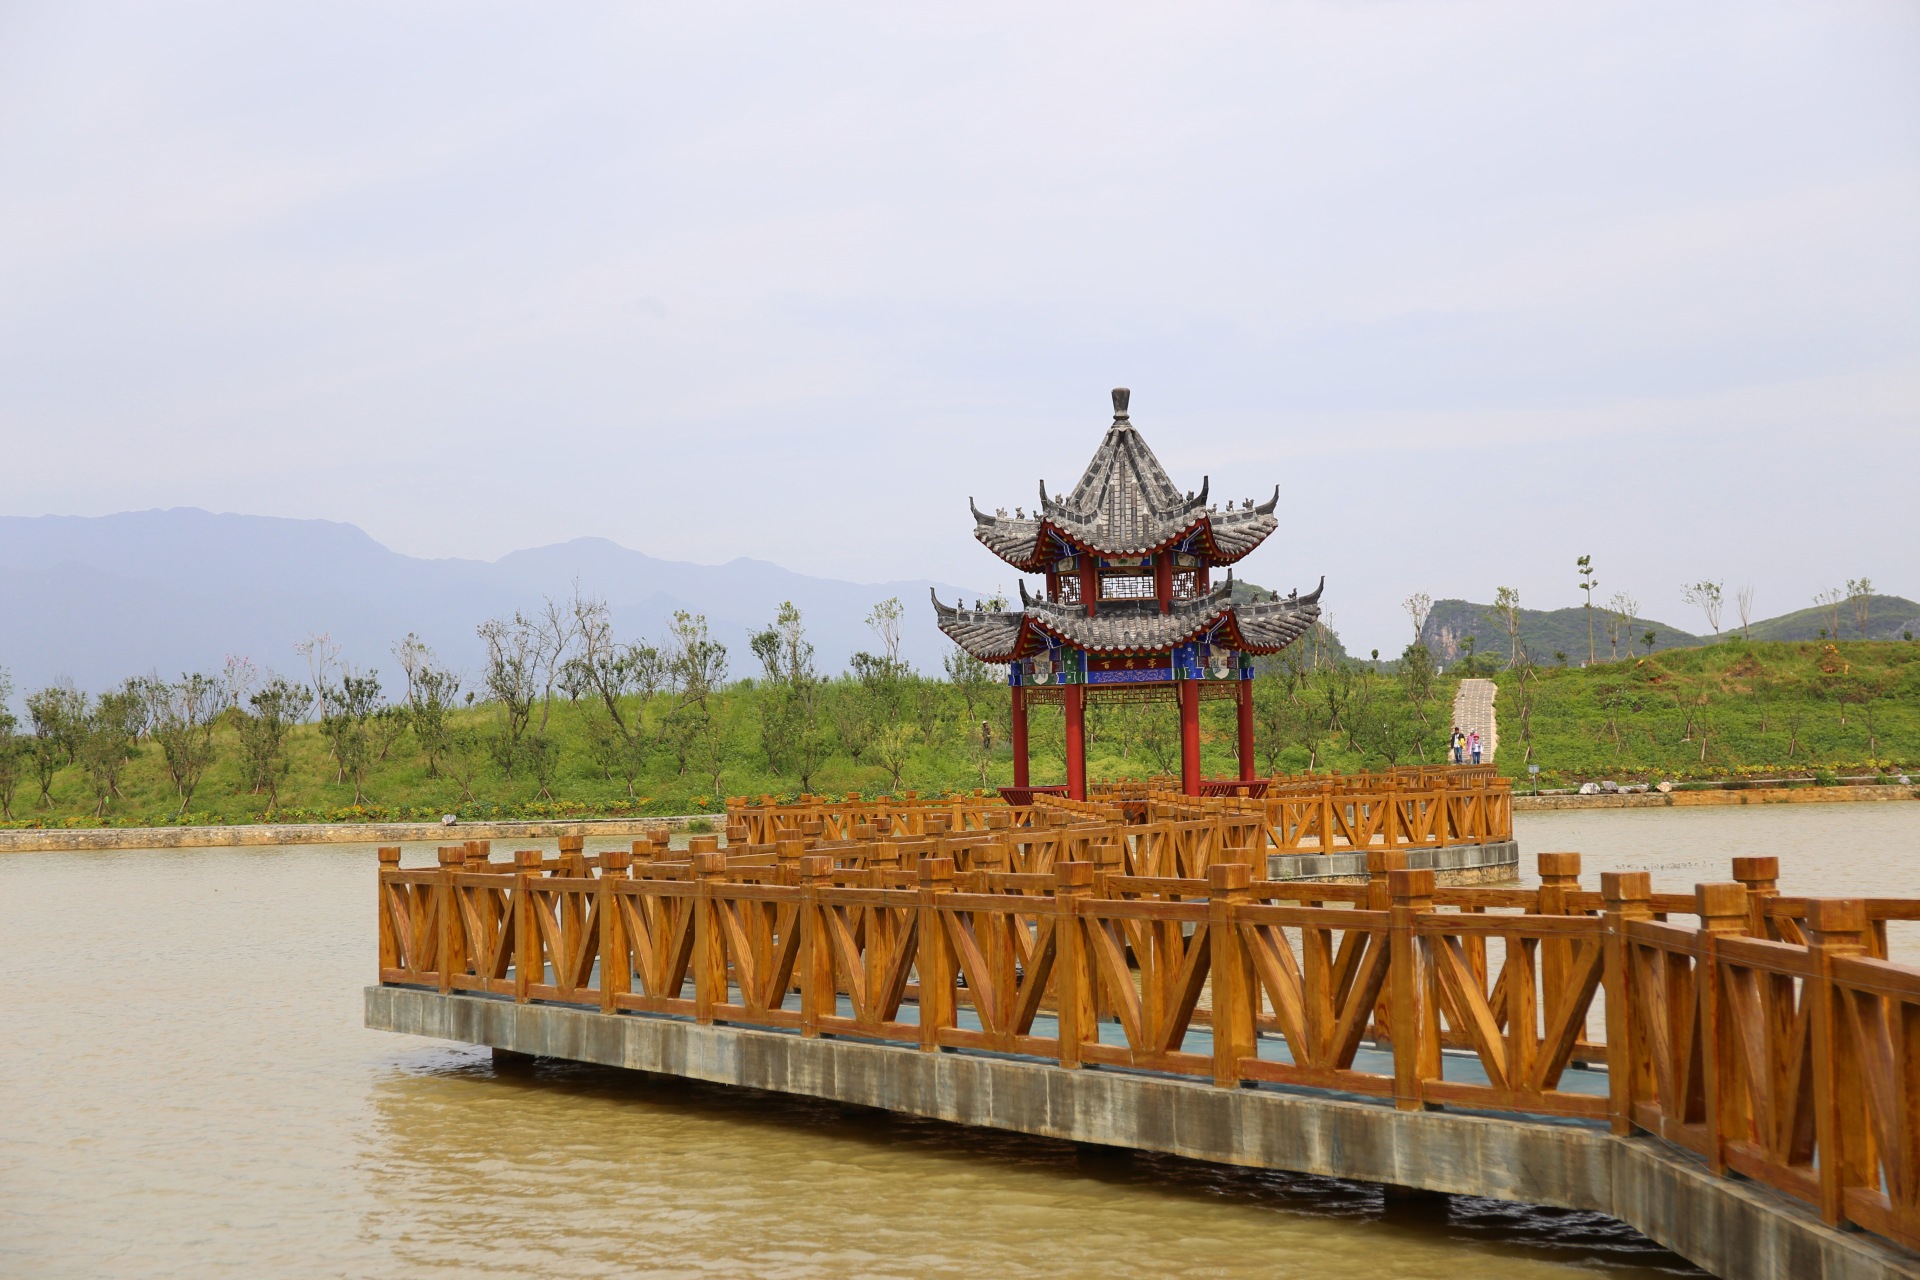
<point>1731,1228</point>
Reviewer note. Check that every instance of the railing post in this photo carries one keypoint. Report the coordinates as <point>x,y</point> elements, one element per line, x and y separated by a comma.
<point>526,932</point>
<point>935,959</point>
<point>709,955</point>
<point>1416,1037</point>
<point>1761,876</point>
<point>788,854</point>
<point>389,856</point>
<point>1072,985</point>
<point>817,995</point>
<point>451,859</point>
<point>1722,909</point>
<point>1627,895</point>
<point>1234,992</point>
<point>1835,927</point>
<point>1559,880</point>
<point>1326,818</point>
<point>616,964</point>
<point>1382,863</point>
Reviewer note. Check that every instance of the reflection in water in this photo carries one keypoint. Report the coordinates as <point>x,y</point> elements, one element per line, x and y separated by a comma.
<point>187,1090</point>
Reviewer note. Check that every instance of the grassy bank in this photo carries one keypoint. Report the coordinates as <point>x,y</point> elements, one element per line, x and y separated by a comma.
<point>1725,711</point>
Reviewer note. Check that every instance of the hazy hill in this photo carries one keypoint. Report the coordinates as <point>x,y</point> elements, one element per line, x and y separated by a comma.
<point>1888,618</point>
<point>1545,632</point>
<point>102,598</point>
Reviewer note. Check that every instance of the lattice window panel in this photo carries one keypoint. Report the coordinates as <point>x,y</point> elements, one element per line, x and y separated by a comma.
<point>1186,584</point>
<point>1126,586</point>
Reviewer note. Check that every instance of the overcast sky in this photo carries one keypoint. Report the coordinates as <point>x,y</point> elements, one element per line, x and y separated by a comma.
<point>1484,286</point>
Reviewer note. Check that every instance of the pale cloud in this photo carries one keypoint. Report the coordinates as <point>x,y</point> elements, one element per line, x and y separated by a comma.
<point>1488,285</point>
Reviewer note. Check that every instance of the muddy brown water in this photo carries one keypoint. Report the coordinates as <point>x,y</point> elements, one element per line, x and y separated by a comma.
<point>186,1089</point>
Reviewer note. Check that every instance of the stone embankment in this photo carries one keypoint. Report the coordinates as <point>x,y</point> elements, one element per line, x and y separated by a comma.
<point>1716,797</point>
<point>275,833</point>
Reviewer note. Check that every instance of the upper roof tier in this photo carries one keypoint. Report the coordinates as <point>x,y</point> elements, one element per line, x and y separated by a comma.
<point>1125,506</point>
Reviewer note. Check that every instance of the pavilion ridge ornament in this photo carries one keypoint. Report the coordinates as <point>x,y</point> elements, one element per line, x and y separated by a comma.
<point>1129,603</point>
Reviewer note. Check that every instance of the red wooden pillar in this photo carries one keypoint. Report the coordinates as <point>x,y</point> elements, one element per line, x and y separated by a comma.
<point>1089,583</point>
<point>1075,700</point>
<point>1163,580</point>
<point>1019,736</point>
<point>1243,706</point>
<point>1190,737</point>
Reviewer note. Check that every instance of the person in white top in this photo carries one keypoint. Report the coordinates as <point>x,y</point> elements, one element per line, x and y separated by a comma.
<point>1473,745</point>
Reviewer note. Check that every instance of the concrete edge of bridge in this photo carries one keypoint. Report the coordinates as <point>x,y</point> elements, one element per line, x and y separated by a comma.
<point>1728,1226</point>
<point>1498,855</point>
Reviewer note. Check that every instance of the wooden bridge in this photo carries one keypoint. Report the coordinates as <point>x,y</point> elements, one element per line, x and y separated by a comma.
<point>1732,1071</point>
<point>1410,808</point>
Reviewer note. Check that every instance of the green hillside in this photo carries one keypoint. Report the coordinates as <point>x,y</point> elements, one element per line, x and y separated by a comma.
<point>1543,632</point>
<point>1887,618</point>
<point>1548,633</point>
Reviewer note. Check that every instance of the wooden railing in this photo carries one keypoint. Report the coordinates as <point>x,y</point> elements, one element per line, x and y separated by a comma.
<point>1792,1062</point>
<point>1423,807</point>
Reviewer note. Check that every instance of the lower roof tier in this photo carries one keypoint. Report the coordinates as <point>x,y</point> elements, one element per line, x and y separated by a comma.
<point>1130,627</point>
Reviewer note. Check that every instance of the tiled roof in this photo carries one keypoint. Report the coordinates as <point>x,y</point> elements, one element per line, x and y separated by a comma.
<point>1125,505</point>
<point>1129,626</point>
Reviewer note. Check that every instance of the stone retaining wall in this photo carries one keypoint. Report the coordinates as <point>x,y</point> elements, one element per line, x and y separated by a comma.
<point>1717,796</point>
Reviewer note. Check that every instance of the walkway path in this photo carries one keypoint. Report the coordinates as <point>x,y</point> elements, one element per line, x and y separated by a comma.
<point>1473,710</point>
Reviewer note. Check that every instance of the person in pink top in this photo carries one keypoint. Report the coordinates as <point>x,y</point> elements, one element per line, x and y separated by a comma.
<point>1473,745</point>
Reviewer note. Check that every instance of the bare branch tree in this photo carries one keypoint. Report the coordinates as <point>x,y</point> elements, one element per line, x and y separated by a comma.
<point>1829,601</point>
<point>1419,607</point>
<point>1860,596</point>
<point>1743,600</point>
<point>1706,597</point>
<point>1506,611</point>
<point>1621,611</point>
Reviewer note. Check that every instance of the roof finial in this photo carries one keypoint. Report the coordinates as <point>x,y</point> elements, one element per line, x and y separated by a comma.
<point>1120,395</point>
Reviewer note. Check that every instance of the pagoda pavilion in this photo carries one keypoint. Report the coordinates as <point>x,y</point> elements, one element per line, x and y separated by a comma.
<point>1131,610</point>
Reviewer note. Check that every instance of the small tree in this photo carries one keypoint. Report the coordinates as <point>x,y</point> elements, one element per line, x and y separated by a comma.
<point>1417,676</point>
<point>1828,602</point>
<point>1860,596</point>
<point>107,740</point>
<point>12,748</point>
<point>1706,597</point>
<point>183,722</point>
<point>541,755</point>
<point>273,710</point>
<point>348,711</point>
<point>1587,583</point>
<point>59,720</point>
<point>1621,611</point>
<point>1648,641</point>
<point>1419,607</point>
<point>792,732</point>
<point>511,679</point>
<point>1743,600</point>
<point>1506,611</point>
<point>466,753</point>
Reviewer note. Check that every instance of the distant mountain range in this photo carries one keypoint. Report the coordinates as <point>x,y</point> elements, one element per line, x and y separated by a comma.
<point>101,598</point>
<point>1546,632</point>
